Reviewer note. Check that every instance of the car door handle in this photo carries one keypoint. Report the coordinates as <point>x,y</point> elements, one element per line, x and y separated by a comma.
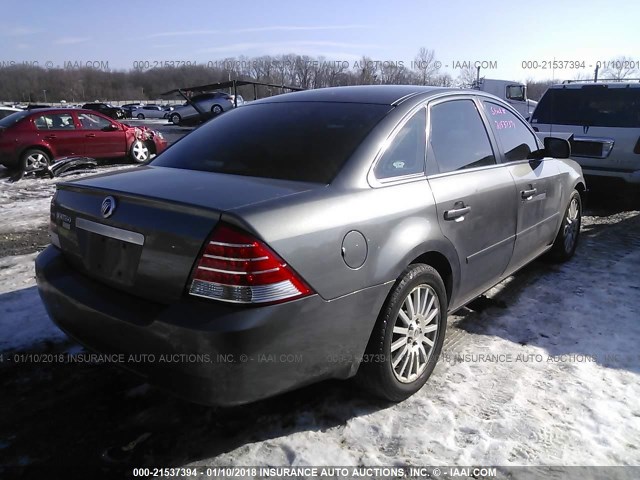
<point>527,194</point>
<point>456,213</point>
<point>50,137</point>
<point>90,135</point>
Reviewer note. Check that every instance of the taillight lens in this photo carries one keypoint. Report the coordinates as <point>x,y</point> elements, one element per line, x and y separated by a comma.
<point>236,267</point>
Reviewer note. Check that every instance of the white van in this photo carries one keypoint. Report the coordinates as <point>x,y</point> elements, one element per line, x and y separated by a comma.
<point>514,93</point>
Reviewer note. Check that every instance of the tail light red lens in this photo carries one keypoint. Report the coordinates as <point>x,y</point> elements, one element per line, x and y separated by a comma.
<point>236,267</point>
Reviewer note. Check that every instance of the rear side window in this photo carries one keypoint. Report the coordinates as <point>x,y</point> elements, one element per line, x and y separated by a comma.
<point>54,121</point>
<point>592,105</point>
<point>406,152</point>
<point>304,141</point>
<point>13,118</point>
<point>516,139</point>
<point>458,138</point>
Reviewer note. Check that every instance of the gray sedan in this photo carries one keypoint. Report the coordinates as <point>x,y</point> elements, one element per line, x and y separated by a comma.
<point>319,234</point>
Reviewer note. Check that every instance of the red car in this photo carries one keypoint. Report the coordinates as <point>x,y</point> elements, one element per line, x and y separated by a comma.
<point>34,139</point>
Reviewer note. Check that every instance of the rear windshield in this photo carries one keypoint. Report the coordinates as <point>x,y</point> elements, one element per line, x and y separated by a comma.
<point>593,105</point>
<point>13,118</point>
<point>303,141</point>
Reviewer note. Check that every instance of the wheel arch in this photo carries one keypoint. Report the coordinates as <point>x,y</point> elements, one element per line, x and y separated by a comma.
<point>582,190</point>
<point>442,265</point>
<point>44,148</point>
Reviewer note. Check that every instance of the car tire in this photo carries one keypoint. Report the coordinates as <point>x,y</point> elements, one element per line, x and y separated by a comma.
<point>406,340</point>
<point>566,242</point>
<point>216,109</point>
<point>175,118</point>
<point>34,160</point>
<point>140,116</point>
<point>140,151</point>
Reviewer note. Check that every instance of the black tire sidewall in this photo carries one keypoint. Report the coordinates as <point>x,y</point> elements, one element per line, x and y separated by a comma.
<point>23,159</point>
<point>559,248</point>
<point>380,344</point>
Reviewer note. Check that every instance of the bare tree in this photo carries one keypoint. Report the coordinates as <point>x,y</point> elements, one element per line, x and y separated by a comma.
<point>424,63</point>
<point>620,68</point>
<point>467,77</point>
<point>536,88</point>
<point>366,71</point>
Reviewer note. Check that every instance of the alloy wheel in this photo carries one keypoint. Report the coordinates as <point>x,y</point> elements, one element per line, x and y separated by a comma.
<point>415,331</point>
<point>140,151</point>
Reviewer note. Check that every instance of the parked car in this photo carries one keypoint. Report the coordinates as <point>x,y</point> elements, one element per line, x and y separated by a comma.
<point>6,111</point>
<point>211,104</point>
<point>604,118</point>
<point>329,242</point>
<point>117,113</point>
<point>33,139</point>
<point>148,111</point>
<point>129,108</point>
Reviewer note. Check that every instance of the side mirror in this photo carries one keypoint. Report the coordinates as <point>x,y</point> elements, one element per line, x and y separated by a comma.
<point>557,147</point>
<point>111,128</point>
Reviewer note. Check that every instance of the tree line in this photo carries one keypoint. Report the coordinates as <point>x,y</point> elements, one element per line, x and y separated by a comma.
<point>28,83</point>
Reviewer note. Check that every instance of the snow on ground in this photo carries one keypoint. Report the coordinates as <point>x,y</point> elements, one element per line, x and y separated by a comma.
<point>23,319</point>
<point>551,379</point>
<point>24,205</point>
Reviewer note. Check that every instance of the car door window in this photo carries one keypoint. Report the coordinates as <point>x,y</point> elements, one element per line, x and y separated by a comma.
<point>515,138</point>
<point>457,136</point>
<point>93,122</point>
<point>43,122</point>
<point>406,153</point>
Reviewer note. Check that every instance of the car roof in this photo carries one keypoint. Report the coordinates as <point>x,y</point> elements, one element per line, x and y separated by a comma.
<point>40,111</point>
<point>376,94</point>
<point>614,84</point>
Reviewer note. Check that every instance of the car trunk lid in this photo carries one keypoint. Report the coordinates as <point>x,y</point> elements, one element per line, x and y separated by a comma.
<point>146,237</point>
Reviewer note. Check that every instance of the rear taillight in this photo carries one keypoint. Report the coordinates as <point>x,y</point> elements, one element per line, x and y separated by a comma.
<point>236,267</point>
<point>636,149</point>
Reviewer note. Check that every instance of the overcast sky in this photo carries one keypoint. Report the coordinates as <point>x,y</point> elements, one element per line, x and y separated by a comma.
<point>498,32</point>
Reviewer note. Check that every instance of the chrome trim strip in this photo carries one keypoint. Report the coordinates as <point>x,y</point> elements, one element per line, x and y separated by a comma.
<point>239,245</point>
<point>108,231</point>
<point>217,257</point>
<point>233,272</point>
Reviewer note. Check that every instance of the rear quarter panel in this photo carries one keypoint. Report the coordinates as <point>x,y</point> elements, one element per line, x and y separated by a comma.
<point>398,222</point>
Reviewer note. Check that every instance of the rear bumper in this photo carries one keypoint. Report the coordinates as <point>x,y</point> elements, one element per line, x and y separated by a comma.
<point>209,352</point>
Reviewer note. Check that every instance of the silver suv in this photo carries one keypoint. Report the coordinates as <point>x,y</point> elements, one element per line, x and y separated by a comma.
<point>604,118</point>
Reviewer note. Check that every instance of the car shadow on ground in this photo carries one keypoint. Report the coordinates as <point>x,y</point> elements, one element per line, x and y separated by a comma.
<point>588,293</point>
<point>109,421</point>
